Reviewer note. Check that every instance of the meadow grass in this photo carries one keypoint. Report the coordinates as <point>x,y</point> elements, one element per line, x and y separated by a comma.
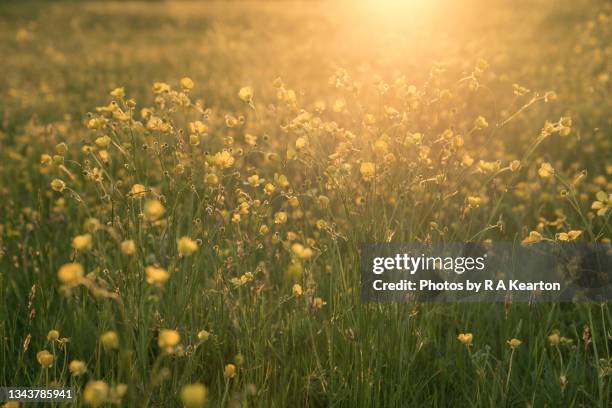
<point>185,187</point>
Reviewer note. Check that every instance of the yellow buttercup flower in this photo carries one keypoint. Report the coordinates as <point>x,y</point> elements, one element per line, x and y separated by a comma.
<point>96,393</point>
<point>187,83</point>
<point>280,217</point>
<point>203,335</point>
<point>198,127</point>
<point>369,119</point>
<point>277,83</point>
<point>294,202</point>
<point>339,105</point>
<point>137,191</point>
<point>70,273</point>
<point>154,123</point>
<point>554,338</point>
<point>58,185</point>
<point>224,159</point>
<point>103,141</point>
<point>301,143</point>
<point>109,340</point>
<point>53,335</point>
<point>211,178</point>
<point>514,343</point>
<point>318,303</point>
<point>295,270</point>
<point>118,92</point>
<point>467,160</point>
<point>194,395</point>
<point>323,201</point>
<point>61,148</point>
<point>246,94</point>
<point>194,140</point>
<point>45,359</point>
<point>380,147</point>
<point>297,290</point>
<point>154,210</point>
<point>269,188</point>
<point>474,202</point>
<point>249,139</point>
<point>186,246</point>
<point>254,180</point>
<point>602,203</point>
<point>242,280</point>
<point>229,371</point>
<point>96,123</point>
<point>128,247</point>
<point>481,123</point>
<point>156,276</point>
<point>281,180</point>
<point>546,170</point>
<point>322,224</point>
<point>117,393</point>
<point>367,170</point>
<point>574,234</point>
<point>160,87</point>
<point>301,251</point>
<point>466,338</point>
<point>46,160</point>
<point>168,339</point>
<point>82,242</point>
<point>533,238</point>
<point>91,225</point>
<point>77,367</point>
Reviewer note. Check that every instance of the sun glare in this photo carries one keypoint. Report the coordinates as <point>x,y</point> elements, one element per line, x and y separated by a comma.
<point>392,11</point>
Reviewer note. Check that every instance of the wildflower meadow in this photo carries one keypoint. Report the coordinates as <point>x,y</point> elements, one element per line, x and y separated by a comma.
<point>185,188</point>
